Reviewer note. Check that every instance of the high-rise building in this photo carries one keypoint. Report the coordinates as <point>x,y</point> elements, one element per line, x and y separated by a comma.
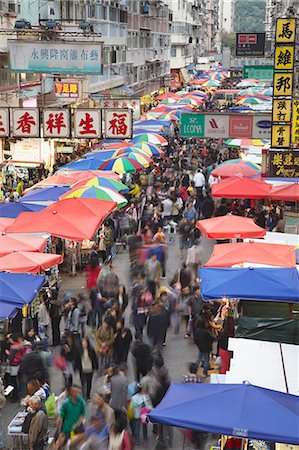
<point>226,16</point>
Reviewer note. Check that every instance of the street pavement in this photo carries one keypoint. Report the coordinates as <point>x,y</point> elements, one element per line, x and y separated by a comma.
<point>177,353</point>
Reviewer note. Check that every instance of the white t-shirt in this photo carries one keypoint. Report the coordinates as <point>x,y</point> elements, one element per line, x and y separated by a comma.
<point>167,207</point>
<point>199,179</point>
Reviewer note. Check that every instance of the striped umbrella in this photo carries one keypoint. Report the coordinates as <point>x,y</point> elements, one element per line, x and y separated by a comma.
<point>100,193</point>
<point>211,83</point>
<point>169,116</point>
<point>195,94</point>
<point>122,165</point>
<point>251,101</point>
<point>190,101</point>
<point>150,149</point>
<point>151,138</point>
<point>246,142</point>
<point>238,160</point>
<point>247,83</point>
<point>168,101</point>
<point>268,91</point>
<point>139,156</point>
<point>110,183</point>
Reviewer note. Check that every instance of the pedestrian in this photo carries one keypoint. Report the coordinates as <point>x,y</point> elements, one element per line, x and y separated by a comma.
<point>153,272</point>
<point>56,309</point>
<point>38,429</point>
<point>87,364</point>
<point>32,366</point>
<point>102,406</point>
<point>119,388</point>
<point>69,355</point>
<point>122,342</point>
<point>122,299</point>
<point>82,307</point>
<point>97,309</point>
<point>204,340</point>
<point>43,319</point>
<point>158,322</point>
<point>104,344</point>
<point>140,309</point>
<point>141,405</point>
<point>119,438</point>
<point>142,355</point>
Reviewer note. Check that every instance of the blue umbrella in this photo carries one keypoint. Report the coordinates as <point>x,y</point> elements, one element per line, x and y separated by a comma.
<point>50,194</point>
<point>243,410</point>
<point>90,163</point>
<point>12,210</point>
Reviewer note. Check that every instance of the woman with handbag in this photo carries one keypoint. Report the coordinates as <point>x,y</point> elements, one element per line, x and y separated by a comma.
<point>104,344</point>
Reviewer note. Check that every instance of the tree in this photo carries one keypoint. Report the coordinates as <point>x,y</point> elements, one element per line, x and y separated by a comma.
<point>250,16</point>
<point>229,40</point>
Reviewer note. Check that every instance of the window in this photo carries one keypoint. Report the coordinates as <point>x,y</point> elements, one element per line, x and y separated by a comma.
<point>173,51</point>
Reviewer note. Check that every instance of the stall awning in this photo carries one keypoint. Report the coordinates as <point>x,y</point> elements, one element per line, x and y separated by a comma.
<point>120,91</point>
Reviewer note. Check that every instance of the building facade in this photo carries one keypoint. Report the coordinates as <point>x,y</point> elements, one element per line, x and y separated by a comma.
<point>226,16</point>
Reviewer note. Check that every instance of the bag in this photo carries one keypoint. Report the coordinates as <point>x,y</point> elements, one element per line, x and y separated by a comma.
<point>190,326</point>
<point>60,362</point>
<point>26,423</point>
<point>50,405</point>
<point>14,370</point>
<point>130,412</point>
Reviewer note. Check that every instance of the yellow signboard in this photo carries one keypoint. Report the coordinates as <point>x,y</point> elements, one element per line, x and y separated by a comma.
<point>285,31</point>
<point>282,110</point>
<point>280,136</point>
<point>284,57</point>
<point>283,84</point>
<point>295,122</point>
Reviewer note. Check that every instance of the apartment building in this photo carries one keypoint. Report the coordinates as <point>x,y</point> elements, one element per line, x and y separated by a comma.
<point>226,16</point>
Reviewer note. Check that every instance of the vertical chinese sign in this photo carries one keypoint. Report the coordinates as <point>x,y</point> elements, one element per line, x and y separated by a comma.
<point>25,122</point>
<point>283,81</point>
<point>56,123</point>
<point>87,123</point>
<point>118,123</point>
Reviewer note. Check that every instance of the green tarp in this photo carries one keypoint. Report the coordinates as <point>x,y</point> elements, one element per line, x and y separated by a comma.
<point>269,329</point>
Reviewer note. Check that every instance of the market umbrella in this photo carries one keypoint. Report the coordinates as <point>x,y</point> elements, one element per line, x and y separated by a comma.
<point>236,187</point>
<point>5,222</point>
<point>45,195</point>
<point>103,182</point>
<point>227,255</point>
<point>195,94</point>
<point>230,227</point>
<point>288,192</point>
<point>238,169</point>
<point>13,209</point>
<point>168,95</point>
<point>169,116</point>
<point>251,101</point>
<point>151,138</point>
<point>100,193</point>
<point>107,147</point>
<point>10,243</point>
<point>250,90</point>
<point>246,142</point>
<point>239,410</point>
<point>211,83</point>
<point>247,83</point>
<point>122,165</point>
<point>29,262</point>
<point>182,92</point>
<point>197,81</point>
<point>190,101</point>
<point>91,162</point>
<point>75,219</point>
<point>139,156</point>
<point>149,149</point>
<point>168,101</point>
<point>67,179</point>
<point>268,91</point>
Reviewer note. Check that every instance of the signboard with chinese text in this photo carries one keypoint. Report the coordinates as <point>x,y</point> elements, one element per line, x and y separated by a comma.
<point>55,57</point>
<point>258,72</point>
<point>131,103</point>
<point>56,123</point>
<point>295,122</point>
<point>118,123</point>
<point>4,122</point>
<point>281,111</point>
<point>283,164</point>
<point>280,137</point>
<point>284,57</point>
<point>25,122</point>
<point>250,44</point>
<point>283,84</point>
<point>192,125</point>
<point>87,123</point>
<point>66,89</point>
<point>285,31</point>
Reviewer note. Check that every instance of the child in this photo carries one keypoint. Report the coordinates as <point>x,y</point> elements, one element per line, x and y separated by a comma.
<point>141,405</point>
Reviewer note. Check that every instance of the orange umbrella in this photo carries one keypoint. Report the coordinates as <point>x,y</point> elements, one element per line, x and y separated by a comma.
<point>288,192</point>
<point>10,243</point>
<point>227,227</point>
<point>236,187</point>
<point>227,255</point>
<point>28,262</point>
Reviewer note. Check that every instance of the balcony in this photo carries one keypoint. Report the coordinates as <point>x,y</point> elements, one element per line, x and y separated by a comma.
<point>8,79</point>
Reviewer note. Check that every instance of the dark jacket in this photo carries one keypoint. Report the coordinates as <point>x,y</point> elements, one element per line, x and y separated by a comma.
<point>32,366</point>
<point>121,345</point>
<point>203,339</point>
<point>157,325</point>
<point>143,356</point>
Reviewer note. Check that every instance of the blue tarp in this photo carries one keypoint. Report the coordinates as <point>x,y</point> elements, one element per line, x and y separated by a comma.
<point>50,194</point>
<point>266,284</point>
<point>13,209</point>
<point>240,410</point>
<point>17,290</point>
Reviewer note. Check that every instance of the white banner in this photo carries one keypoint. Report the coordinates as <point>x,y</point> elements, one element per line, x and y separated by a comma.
<point>56,123</point>
<point>216,126</point>
<point>87,123</point>
<point>25,122</point>
<point>118,123</point>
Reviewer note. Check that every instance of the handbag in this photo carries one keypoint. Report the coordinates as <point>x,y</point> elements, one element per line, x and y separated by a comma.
<point>190,325</point>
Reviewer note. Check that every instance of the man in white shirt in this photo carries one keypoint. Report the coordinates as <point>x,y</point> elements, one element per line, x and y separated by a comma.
<point>199,182</point>
<point>167,209</point>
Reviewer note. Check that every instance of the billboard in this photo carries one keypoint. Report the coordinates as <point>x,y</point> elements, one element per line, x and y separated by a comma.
<point>66,89</point>
<point>250,44</point>
<point>283,163</point>
<point>192,125</point>
<point>216,126</point>
<point>259,72</point>
<point>55,57</point>
<point>261,127</point>
<point>240,126</point>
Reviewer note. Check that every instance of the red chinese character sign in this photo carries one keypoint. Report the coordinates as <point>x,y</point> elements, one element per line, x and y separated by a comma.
<point>56,123</point>
<point>118,123</point>
<point>87,123</point>
<point>4,122</point>
<point>25,122</point>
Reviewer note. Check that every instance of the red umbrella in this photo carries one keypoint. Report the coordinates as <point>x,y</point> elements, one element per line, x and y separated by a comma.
<point>237,169</point>
<point>288,192</point>
<point>236,187</point>
<point>75,219</point>
<point>198,81</point>
<point>168,95</point>
<point>227,255</point>
<point>227,227</point>
<point>28,262</point>
<point>5,222</point>
<point>10,243</point>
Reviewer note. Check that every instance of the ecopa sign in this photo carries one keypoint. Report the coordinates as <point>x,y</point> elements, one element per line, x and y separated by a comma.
<point>216,126</point>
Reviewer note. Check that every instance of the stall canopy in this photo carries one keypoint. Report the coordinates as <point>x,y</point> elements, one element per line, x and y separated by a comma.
<point>227,255</point>
<point>236,187</point>
<point>67,179</point>
<point>10,243</point>
<point>13,209</point>
<point>265,284</point>
<point>236,168</point>
<point>288,192</point>
<point>5,222</point>
<point>229,227</point>
<point>240,410</point>
<point>17,290</point>
<point>44,195</point>
<point>74,219</point>
<point>28,262</point>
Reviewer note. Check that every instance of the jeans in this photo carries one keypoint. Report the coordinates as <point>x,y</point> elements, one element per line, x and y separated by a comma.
<point>158,342</point>
<point>136,425</point>
<point>205,357</point>
<point>96,319</point>
<point>86,380</point>
<point>56,330</point>
<point>175,322</point>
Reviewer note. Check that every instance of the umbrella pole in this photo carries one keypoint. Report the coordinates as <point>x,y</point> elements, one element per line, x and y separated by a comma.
<point>184,441</point>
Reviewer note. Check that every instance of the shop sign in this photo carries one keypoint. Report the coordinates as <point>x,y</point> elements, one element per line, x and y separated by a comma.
<point>118,124</point>
<point>295,122</point>
<point>131,103</point>
<point>25,122</point>
<point>84,58</point>
<point>192,125</point>
<point>56,123</point>
<point>280,136</point>
<point>4,122</point>
<point>261,127</point>
<point>285,31</point>
<point>240,126</point>
<point>258,72</point>
<point>281,111</point>
<point>87,123</point>
<point>250,44</point>
<point>216,126</point>
<point>284,57</point>
<point>176,78</point>
<point>283,84</point>
<point>66,89</point>
<point>282,163</point>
